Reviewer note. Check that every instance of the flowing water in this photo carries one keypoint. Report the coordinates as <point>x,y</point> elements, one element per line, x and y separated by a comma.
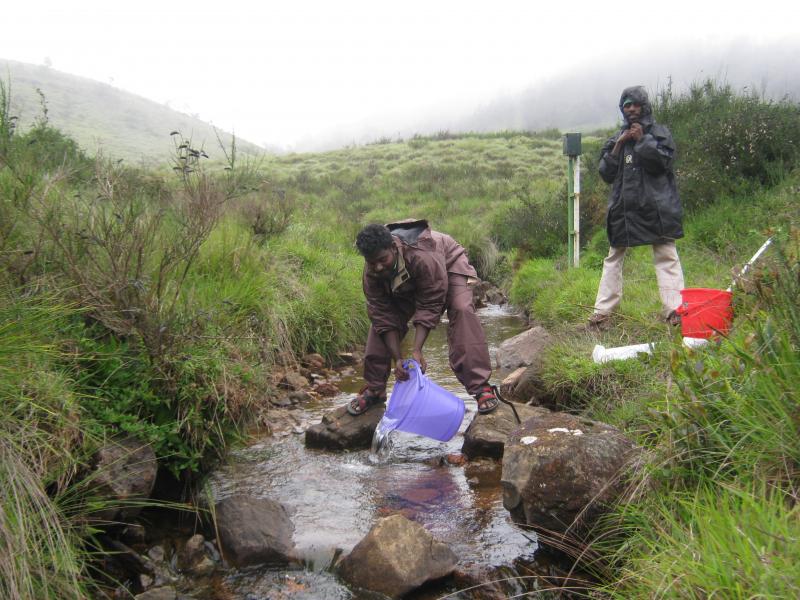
<point>335,498</point>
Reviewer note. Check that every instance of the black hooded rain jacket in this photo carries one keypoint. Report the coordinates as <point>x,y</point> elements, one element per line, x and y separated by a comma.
<point>643,206</point>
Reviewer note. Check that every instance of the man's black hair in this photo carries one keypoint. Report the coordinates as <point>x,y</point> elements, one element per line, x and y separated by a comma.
<point>372,239</point>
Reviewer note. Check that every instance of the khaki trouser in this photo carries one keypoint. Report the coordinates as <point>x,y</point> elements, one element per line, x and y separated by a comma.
<point>469,354</point>
<point>669,275</point>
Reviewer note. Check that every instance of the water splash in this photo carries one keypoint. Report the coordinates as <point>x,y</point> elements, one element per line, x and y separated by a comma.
<point>383,441</point>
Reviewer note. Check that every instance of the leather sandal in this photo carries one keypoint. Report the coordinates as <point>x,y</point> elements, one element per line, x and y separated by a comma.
<point>486,400</point>
<point>364,401</point>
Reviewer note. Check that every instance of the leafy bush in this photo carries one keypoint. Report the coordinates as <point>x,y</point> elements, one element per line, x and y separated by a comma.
<point>728,142</point>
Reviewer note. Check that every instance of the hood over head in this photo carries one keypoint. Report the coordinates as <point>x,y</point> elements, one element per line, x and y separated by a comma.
<point>638,94</point>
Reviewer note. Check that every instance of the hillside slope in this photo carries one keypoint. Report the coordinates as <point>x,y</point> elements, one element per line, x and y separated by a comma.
<point>101,117</point>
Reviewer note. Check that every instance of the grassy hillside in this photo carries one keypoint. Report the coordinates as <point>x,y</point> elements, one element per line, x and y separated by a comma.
<point>101,117</point>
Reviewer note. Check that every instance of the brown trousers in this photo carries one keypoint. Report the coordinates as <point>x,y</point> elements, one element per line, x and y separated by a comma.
<point>469,354</point>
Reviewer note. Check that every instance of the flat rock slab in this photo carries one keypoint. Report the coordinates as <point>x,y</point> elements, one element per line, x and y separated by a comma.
<point>254,531</point>
<point>523,349</point>
<point>560,470</point>
<point>340,431</point>
<point>395,557</point>
<point>487,434</point>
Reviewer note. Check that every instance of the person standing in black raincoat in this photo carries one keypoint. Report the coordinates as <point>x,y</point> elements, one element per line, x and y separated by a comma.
<point>643,206</point>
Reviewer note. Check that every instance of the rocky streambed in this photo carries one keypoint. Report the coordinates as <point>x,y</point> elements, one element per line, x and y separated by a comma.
<point>310,512</point>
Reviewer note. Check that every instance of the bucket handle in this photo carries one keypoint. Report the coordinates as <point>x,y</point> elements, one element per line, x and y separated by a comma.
<point>421,378</point>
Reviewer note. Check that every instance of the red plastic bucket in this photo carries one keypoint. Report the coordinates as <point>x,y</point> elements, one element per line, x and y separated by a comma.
<point>705,312</point>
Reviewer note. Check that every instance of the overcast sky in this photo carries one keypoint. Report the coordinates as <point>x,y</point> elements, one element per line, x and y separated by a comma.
<point>282,73</point>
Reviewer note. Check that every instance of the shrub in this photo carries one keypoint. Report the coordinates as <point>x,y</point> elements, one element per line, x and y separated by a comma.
<point>728,142</point>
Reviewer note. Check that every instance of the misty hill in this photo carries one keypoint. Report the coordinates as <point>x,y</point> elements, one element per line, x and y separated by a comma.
<point>101,117</point>
<point>586,97</point>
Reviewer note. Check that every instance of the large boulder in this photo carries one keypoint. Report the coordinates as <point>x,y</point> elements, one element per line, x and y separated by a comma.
<point>486,435</point>
<point>523,349</point>
<point>124,473</point>
<point>339,430</point>
<point>254,531</point>
<point>395,557</point>
<point>560,470</point>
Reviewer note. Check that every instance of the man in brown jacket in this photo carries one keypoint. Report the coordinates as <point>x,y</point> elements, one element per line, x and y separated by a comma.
<point>412,273</point>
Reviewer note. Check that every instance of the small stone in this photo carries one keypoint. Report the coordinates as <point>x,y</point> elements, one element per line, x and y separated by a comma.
<point>205,567</point>
<point>192,552</point>
<point>145,581</point>
<point>456,459</point>
<point>156,553</point>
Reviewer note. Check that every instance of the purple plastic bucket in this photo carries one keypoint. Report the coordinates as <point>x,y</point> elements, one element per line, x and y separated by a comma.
<point>420,406</point>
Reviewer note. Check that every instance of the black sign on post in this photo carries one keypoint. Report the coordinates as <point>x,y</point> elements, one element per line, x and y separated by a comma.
<point>572,144</point>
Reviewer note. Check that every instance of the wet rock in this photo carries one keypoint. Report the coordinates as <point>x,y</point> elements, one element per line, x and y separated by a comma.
<point>456,459</point>
<point>293,381</point>
<point>133,534</point>
<point>124,471</point>
<point>326,389</point>
<point>395,557</point>
<point>281,401</point>
<point>315,362</point>
<point>483,584</point>
<point>487,434</point>
<point>204,568</point>
<point>483,472</point>
<point>156,553</point>
<point>254,530</point>
<point>299,397</point>
<point>145,582</point>
<point>161,593</point>
<point>339,430</point>
<point>485,293</point>
<point>559,467</point>
<point>192,552</point>
<point>128,560</point>
<point>523,349</point>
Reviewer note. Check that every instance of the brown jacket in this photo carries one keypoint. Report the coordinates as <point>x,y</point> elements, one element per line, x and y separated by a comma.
<point>418,287</point>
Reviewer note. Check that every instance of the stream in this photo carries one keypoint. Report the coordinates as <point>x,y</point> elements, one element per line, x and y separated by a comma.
<point>335,498</point>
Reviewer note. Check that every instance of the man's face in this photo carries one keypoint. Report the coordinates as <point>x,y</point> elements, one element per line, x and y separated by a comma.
<point>382,264</point>
<point>633,112</point>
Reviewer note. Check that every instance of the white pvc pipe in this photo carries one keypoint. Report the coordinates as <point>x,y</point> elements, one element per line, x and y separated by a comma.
<point>601,354</point>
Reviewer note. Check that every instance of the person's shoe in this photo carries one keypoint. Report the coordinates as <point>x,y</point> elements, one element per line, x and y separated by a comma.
<point>365,400</point>
<point>673,319</point>
<point>599,322</point>
<point>486,399</point>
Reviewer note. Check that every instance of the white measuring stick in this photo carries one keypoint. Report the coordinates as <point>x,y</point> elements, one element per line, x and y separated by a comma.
<point>749,263</point>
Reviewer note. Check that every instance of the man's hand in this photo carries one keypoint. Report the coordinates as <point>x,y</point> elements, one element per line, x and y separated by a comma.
<point>418,356</point>
<point>400,372</point>
<point>636,132</point>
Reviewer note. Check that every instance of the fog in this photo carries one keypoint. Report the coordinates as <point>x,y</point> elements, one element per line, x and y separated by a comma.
<point>586,97</point>
<point>312,74</point>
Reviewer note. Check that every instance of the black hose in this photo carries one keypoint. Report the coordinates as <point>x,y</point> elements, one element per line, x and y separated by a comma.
<point>499,396</point>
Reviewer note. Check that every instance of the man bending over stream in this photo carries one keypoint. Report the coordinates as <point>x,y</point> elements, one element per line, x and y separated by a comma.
<point>412,273</point>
